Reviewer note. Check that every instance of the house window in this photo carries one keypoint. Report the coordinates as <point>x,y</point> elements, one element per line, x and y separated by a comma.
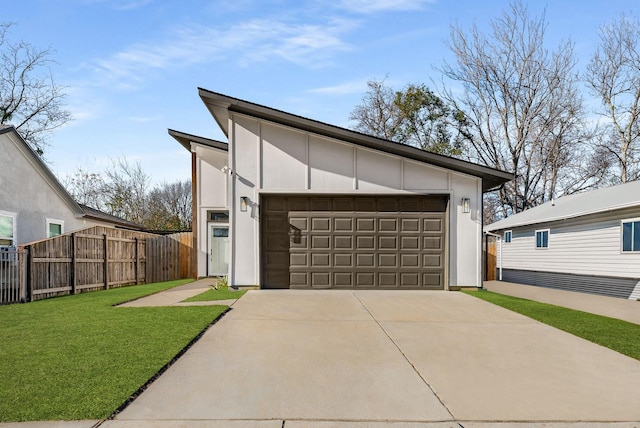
<point>7,229</point>
<point>507,236</point>
<point>54,227</point>
<point>542,238</point>
<point>631,236</point>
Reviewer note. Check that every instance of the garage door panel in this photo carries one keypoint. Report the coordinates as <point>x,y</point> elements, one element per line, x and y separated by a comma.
<point>388,243</point>
<point>320,260</point>
<point>365,279</point>
<point>299,260</point>
<point>410,225</point>
<point>432,225</point>
<point>342,224</point>
<point>366,224</point>
<point>353,242</point>
<point>320,242</point>
<point>343,260</point>
<point>320,279</point>
<point>388,279</point>
<point>343,280</point>
<point>410,242</point>
<point>388,260</point>
<point>320,224</point>
<point>432,280</point>
<point>432,260</point>
<point>365,260</point>
<point>410,260</point>
<point>410,279</point>
<point>432,243</point>
<point>387,224</point>
<point>343,242</point>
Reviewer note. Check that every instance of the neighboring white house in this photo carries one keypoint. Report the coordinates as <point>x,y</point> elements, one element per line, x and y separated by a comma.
<point>588,242</point>
<point>291,202</point>
<point>33,203</point>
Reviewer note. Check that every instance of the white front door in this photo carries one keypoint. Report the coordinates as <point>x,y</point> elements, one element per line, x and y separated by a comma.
<point>218,250</point>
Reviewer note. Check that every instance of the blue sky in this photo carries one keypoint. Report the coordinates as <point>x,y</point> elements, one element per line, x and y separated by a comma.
<point>132,67</point>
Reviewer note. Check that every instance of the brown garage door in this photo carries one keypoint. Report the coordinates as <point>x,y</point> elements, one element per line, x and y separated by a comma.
<point>353,242</point>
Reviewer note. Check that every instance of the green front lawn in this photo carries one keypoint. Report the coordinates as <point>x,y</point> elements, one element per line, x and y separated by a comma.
<point>78,357</point>
<point>621,336</point>
<point>222,293</point>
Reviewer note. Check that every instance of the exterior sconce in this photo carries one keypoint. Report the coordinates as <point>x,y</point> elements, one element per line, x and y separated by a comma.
<point>466,208</point>
<point>244,201</point>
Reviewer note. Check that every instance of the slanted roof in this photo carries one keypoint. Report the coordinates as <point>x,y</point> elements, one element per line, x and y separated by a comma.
<point>78,209</point>
<point>571,206</point>
<point>186,140</point>
<point>42,168</point>
<point>220,106</point>
<point>95,214</point>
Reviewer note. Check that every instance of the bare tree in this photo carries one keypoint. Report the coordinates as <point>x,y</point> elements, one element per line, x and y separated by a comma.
<point>125,191</point>
<point>378,114</point>
<point>87,188</point>
<point>30,99</point>
<point>613,75</point>
<point>169,207</point>
<point>415,116</point>
<point>522,104</point>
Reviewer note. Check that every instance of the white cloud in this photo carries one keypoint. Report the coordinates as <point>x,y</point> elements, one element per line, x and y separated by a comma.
<point>345,88</point>
<point>373,6</point>
<point>308,45</point>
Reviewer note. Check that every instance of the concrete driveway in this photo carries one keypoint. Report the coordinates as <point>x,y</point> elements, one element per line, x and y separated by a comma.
<point>385,358</point>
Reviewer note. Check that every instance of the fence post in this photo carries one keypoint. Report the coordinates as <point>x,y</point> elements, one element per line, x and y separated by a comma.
<point>137,260</point>
<point>73,264</point>
<point>29,284</point>
<point>106,262</point>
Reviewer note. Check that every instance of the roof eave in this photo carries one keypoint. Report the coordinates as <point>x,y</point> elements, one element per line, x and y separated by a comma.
<point>491,177</point>
<point>186,139</point>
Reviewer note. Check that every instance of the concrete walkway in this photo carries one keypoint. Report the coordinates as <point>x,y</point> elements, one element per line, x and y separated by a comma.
<point>628,310</point>
<point>325,359</point>
<point>176,295</point>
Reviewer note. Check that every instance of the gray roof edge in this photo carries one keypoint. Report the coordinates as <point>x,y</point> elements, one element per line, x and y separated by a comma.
<point>103,216</point>
<point>494,177</point>
<point>185,140</point>
<point>492,227</point>
<point>44,169</point>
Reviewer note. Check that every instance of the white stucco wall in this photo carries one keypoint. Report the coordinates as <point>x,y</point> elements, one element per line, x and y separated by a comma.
<point>25,191</point>
<point>212,195</point>
<point>270,158</point>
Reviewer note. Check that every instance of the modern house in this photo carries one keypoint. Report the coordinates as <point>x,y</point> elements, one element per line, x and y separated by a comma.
<point>290,202</point>
<point>587,242</point>
<point>33,203</point>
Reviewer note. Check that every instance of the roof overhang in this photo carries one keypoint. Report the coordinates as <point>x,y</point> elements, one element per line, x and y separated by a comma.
<point>221,106</point>
<point>186,139</point>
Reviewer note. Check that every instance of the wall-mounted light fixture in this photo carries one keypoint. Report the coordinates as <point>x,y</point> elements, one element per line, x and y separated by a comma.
<point>244,201</point>
<point>466,208</point>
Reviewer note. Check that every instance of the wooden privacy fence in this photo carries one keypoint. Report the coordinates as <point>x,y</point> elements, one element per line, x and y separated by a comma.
<point>489,258</point>
<point>99,258</point>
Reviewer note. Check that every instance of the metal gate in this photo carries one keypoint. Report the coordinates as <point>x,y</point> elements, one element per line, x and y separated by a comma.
<point>12,275</point>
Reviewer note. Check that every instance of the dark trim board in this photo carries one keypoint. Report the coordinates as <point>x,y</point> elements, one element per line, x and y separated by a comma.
<point>600,285</point>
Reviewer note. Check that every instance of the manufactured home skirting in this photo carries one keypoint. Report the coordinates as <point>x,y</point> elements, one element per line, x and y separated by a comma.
<point>602,285</point>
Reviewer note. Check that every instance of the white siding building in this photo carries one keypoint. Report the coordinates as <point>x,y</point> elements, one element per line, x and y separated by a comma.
<point>592,243</point>
<point>33,203</point>
<point>290,202</point>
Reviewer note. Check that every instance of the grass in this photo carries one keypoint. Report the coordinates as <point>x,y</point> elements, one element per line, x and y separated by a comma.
<point>618,335</point>
<point>78,357</point>
<point>222,293</point>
